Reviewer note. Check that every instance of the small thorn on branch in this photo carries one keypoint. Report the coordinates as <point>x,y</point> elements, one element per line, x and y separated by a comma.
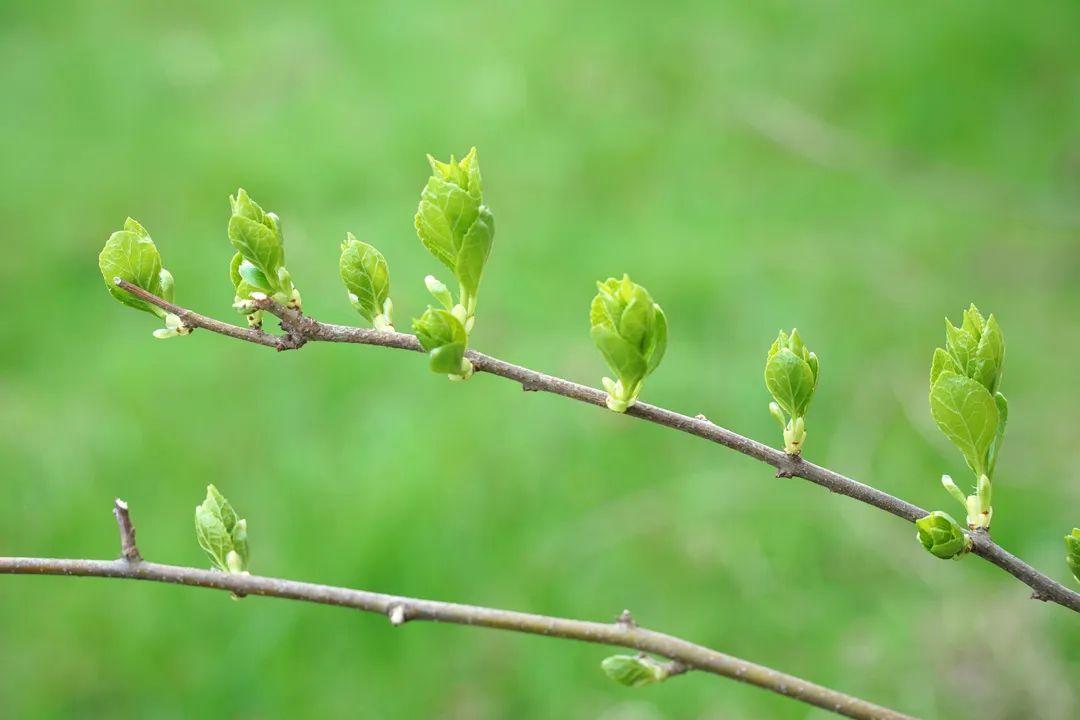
<point>626,620</point>
<point>398,614</point>
<point>128,549</point>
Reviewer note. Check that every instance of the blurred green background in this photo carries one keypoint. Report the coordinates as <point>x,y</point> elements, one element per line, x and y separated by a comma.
<point>857,170</point>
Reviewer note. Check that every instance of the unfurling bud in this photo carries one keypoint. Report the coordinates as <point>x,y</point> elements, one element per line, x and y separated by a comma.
<point>259,262</point>
<point>791,376</point>
<point>221,533</point>
<point>942,536</point>
<point>964,400</point>
<point>635,670</point>
<point>366,276</point>
<point>631,332</point>
<point>443,336</point>
<point>454,224</point>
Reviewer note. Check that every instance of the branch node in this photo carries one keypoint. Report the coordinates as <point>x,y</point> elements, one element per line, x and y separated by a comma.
<point>626,620</point>
<point>128,549</point>
<point>398,614</point>
<point>675,667</point>
<point>701,416</point>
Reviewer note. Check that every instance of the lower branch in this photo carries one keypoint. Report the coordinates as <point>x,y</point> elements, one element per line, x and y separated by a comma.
<point>685,655</point>
<point>300,329</point>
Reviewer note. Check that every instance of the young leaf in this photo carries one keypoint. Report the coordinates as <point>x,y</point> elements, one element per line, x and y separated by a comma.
<point>631,331</point>
<point>633,670</point>
<point>367,277</point>
<point>968,416</point>
<point>443,336</point>
<point>942,536</point>
<point>221,533</point>
<point>256,235</point>
<point>961,345</point>
<point>475,248</point>
<point>454,225</point>
<point>130,254</point>
<point>943,362</point>
<point>987,363</point>
<point>790,380</point>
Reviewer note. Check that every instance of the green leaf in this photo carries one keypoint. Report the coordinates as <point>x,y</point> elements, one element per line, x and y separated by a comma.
<point>257,236</point>
<point>657,345</point>
<point>444,338</point>
<point>625,360</point>
<point>633,670</point>
<point>474,252</point>
<point>631,332</point>
<point>943,362</point>
<point>987,363</point>
<point>1072,548</point>
<point>241,287</point>
<point>790,380</point>
<point>973,322</point>
<point>240,542</point>
<point>220,531</point>
<point>447,359</point>
<point>212,536</point>
<point>453,223</point>
<point>968,416</point>
<point>366,276</point>
<point>961,345</point>
<point>999,435</point>
<point>942,536</point>
<point>130,254</point>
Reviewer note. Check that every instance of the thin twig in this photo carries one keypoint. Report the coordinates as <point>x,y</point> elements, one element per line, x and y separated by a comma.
<point>300,329</point>
<point>682,654</point>
<point>128,549</point>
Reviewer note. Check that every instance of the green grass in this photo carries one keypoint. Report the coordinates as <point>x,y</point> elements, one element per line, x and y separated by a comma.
<point>856,170</point>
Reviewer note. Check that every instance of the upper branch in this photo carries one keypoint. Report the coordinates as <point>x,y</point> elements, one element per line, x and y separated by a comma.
<point>299,329</point>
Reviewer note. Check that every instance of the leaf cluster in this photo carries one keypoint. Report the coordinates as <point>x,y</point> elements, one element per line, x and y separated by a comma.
<point>631,332</point>
<point>259,263</point>
<point>222,533</point>
<point>964,399</point>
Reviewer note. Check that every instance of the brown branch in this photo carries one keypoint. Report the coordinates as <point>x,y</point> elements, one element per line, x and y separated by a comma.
<point>681,654</point>
<point>128,549</point>
<point>300,329</point>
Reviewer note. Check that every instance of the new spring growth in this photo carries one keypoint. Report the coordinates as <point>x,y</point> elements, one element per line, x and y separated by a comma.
<point>367,278</point>
<point>942,536</point>
<point>791,376</point>
<point>1072,549</point>
<point>635,670</point>
<point>259,262</point>
<point>458,229</point>
<point>966,404</point>
<point>222,533</point>
<point>631,333</point>
<point>130,254</point>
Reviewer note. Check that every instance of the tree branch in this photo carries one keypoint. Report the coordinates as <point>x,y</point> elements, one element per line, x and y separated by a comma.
<point>128,549</point>
<point>299,329</point>
<point>681,654</point>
